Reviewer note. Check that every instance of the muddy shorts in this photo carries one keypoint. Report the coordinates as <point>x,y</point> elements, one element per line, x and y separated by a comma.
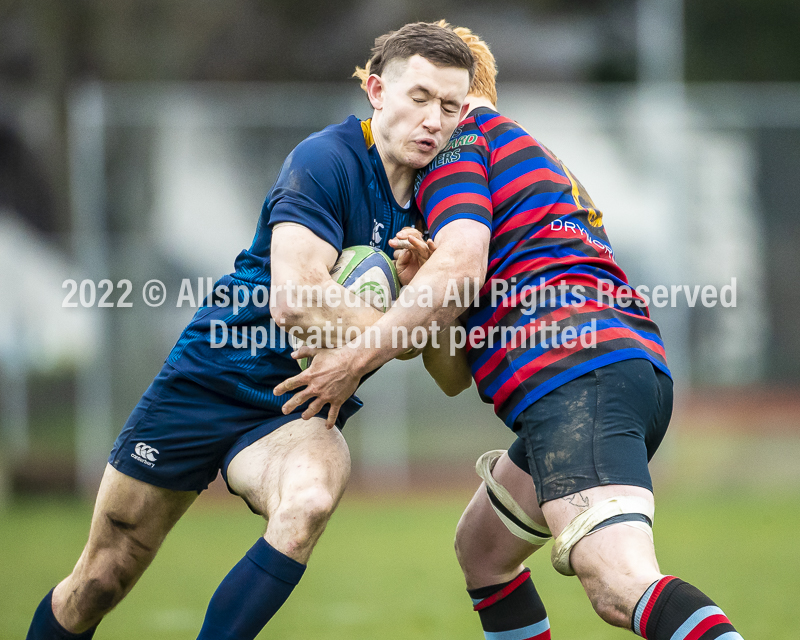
<point>601,428</point>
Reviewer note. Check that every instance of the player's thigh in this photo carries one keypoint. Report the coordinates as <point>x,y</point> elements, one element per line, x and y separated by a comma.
<point>487,551</point>
<point>300,456</point>
<point>620,550</point>
<point>133,517</point>
<point>598,429</point>
<point>130,521</point>
<point>587,441</point>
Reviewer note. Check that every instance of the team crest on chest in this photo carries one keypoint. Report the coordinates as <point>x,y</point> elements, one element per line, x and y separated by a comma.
<point>376,233</point>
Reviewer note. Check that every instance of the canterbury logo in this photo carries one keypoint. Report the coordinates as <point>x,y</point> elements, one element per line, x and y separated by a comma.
<point>146,452</point>
<point>376,233</point>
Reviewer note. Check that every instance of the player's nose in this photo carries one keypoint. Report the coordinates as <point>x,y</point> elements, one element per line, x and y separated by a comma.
<point>433,118</point>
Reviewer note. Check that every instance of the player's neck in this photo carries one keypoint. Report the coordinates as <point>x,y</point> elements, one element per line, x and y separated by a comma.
<point>401,180</point>
<point>479,101</point>
<point>400,176</point>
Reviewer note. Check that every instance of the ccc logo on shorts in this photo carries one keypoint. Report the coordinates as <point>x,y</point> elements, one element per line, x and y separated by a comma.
<point>145,451</point>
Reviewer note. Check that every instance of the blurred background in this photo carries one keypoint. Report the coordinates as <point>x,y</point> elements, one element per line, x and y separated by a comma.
<point>138,139</point>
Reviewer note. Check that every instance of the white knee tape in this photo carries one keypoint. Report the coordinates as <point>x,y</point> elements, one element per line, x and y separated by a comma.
<point>538,535</point>
<point>582,525</point>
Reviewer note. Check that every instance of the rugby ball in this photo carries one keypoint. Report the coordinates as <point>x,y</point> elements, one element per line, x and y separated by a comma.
<point>370,274</point>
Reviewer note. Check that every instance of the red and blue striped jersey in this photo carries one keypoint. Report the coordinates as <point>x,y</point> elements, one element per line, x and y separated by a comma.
<point>555,304</point>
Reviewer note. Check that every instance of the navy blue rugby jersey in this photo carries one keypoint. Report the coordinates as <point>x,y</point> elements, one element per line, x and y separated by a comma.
<point>333,183</point>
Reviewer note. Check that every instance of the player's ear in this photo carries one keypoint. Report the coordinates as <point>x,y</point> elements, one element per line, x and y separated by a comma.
<point>464,110</point>
<point>375,91</point>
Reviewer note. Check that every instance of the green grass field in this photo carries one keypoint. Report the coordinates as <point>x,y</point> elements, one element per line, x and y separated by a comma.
<point>385,569</point>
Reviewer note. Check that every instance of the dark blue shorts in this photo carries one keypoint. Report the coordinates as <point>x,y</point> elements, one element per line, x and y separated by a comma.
<point>601,428</point>
<point>181,434</point>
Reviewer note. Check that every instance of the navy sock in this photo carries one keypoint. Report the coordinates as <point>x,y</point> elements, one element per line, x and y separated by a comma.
<point>44,625</point>
<point>512,610</point>
<point>251,594</point>
<point>672,609</point>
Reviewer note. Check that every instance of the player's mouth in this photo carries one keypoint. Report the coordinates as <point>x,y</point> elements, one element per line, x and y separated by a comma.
<point>426,145</point>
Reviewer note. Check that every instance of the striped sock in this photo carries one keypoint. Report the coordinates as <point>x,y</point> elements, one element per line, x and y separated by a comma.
<point>672,609</point>
<point>511,611</point>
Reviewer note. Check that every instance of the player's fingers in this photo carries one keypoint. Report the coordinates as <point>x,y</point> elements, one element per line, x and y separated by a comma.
<point>313,409</point>
<point>304,352</point>
<point>418,243</point>
<point>290,384</point>
<point>431,245</point>
<point>406,232</point>
<point>332,415</point>
<point>290,406</point>
<point>420,250</point>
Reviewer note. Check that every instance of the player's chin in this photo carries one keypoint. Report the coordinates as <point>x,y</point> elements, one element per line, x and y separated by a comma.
<point>420,159</point>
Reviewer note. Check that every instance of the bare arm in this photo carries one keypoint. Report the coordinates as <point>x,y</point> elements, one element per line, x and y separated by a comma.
<point>461,256</point>
<point>447,364</point>
<point>300,258</point>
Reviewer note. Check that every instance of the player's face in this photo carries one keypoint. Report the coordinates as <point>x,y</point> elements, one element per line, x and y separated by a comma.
<point>417,107</point>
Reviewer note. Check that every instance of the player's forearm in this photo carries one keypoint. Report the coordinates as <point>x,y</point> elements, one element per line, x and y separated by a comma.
<point>447,365</point>
<point>428,299</point>
<point>309,308</point>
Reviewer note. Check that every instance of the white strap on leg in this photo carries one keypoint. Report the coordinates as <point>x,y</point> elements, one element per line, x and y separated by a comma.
<point>539,534</point>
<point>582,525</point>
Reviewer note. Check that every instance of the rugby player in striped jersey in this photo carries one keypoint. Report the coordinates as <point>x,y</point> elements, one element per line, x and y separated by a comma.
<point>567,353</point>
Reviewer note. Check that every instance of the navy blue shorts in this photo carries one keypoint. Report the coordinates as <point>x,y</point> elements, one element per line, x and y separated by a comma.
<point>601,428</point>
<point>181,434</point>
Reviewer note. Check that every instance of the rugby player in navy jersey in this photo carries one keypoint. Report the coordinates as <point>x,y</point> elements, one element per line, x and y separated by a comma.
<point>580,377</point>
<point>212,409</point>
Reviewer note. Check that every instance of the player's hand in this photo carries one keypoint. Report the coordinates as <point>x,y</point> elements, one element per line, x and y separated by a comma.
<point>330,379</point>
<point>412,251</point>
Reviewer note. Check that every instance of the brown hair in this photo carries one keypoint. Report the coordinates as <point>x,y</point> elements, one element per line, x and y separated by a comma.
<point>434,41</point>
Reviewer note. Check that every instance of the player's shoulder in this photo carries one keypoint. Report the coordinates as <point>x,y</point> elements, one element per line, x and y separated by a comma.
<point>337,144</point>
<point>493,125</point>
<point>504,136</point>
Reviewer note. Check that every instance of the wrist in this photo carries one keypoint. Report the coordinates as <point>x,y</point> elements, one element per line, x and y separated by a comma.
<point>359,364</point>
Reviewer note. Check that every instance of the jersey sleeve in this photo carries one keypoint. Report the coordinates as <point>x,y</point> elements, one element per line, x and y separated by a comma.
<point>456,184</point>
<point>313,188</point>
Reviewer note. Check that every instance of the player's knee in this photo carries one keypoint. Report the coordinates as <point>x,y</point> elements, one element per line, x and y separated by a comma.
<point>103,594</point>
<point>317,504</point>
<point>463,543</point>
<point>610,606</point>
<point>102,581</point>
<point>479,554</point>
<point>307,511</point>
<point>100,591</point>
<point>614,592</point>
